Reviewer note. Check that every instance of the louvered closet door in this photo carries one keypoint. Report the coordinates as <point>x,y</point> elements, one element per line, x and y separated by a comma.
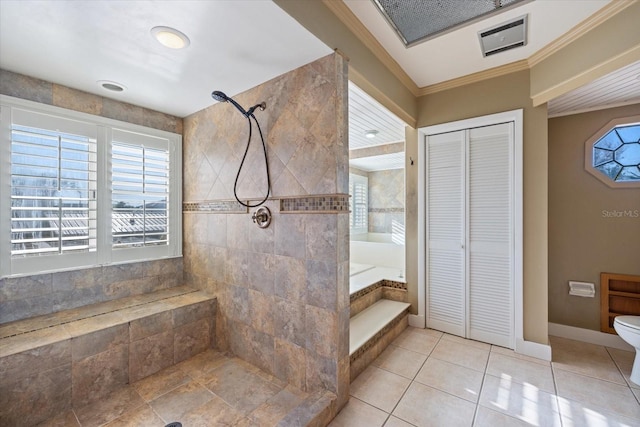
<point>445,232</point>
<point>490,235</point>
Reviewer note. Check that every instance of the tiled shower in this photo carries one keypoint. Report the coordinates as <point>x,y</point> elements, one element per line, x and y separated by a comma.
<point>282,292</point>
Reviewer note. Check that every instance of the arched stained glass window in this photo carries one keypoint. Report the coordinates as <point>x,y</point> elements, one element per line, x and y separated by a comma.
<point>613,153</point>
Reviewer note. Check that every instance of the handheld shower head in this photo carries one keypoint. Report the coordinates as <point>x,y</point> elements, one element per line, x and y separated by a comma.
<point>221,97</point>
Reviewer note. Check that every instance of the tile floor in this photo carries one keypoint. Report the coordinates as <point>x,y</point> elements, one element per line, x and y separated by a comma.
<point>208,390</point>
<point>427,378</point>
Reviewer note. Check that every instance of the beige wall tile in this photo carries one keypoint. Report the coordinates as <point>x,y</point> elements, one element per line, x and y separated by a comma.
<point>25,87</point>
<point>150,325</point>
<point>191,339</point>
<point>271,277</point>
<point>150,355</point>
<point>290,363</point>
<point>95,377</point>
<point>36,397</point>
<point>84,102</point>
<point>20,365</point>
<point>93,343</point>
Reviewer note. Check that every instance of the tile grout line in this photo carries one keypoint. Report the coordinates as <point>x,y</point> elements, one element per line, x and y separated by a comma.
<point>413,379</point>
<point>556,391</point>
<point>484,376</point>
<point>623,376</point>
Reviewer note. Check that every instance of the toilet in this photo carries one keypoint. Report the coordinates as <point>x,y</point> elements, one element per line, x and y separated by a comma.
<point>628,328</point>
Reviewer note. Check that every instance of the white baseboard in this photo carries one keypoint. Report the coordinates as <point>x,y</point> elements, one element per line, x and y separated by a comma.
<point>533,349</point>
<point>417,321</point>
<point>588,335</point>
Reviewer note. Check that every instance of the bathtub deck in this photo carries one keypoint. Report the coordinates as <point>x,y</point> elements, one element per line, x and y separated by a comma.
<point>209,389</point>
<point>373,275</point>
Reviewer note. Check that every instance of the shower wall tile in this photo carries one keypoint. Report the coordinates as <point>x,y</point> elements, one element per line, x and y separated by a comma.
<point>237,267</point>
<point>262,311</point>
<point>25,287</point>
<point>151,325</point>
<point>282,291</point>
<point>386,201</point>
<point>322,373</point>
<point>192,313</point>
<point>150,355</point>
<point>321,331</point>
<point>321,284</point>
<point>25,87</point>
<point>290,363</point>
<point>48,392</point>
<point>320,235</point>
<point>262,272</point>
<point>290,321</point>
<point>29,296</point>
<point>94,377</point>
<point>191,339</point>
<point>73,99</point>
<point>291,279</point>
<point>290,240</point>
<point>91,344</point>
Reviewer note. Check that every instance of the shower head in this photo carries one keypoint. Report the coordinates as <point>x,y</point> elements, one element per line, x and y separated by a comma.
<point>221,97</point>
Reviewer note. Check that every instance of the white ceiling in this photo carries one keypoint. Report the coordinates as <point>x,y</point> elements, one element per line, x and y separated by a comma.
<point>235,45</point>
<point>620,87</point>
<point>458,54</point>
<point>365,113</point>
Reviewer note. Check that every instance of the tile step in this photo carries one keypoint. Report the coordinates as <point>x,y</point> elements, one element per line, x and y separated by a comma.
<point>364,325</point>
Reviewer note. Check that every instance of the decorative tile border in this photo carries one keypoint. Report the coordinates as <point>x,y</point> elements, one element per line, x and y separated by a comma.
<point>382,283</point>
<point>382,332</point>
<point>335,203</point>
<point>222,206</point>
<point>386,210</point>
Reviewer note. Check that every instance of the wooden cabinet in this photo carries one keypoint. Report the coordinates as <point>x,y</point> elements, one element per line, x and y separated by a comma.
<point>619,295</point>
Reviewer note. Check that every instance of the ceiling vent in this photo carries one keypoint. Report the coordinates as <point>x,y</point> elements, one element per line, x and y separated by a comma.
<point>505,36</point>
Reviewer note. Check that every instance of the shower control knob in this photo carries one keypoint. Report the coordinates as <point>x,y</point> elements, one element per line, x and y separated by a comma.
<point>262,217</point>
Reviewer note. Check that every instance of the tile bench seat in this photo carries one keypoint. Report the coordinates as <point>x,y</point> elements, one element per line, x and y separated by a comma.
<point>52,363</point>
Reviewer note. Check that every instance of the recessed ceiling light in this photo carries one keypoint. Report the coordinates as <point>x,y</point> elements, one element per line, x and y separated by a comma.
<point>112,86</point>
<point>371,133</point>
<point>170,37</point>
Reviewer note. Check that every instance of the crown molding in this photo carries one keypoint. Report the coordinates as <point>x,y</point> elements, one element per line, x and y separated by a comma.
<point>602,15</point>
<point>475,77</point>
<point>344,14</point>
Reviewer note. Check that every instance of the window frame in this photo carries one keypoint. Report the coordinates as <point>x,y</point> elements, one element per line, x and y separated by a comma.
<point>104,254</point>
<point>588,152</point>
<point>355,179</point>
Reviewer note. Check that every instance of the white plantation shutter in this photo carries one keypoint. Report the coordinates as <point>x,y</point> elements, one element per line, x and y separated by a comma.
<point>139,191</point>
<point>445,231</point>
<point>81,190</point>
<point>53,187</point>
<point>359,204</point>
<point>490,238</point>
